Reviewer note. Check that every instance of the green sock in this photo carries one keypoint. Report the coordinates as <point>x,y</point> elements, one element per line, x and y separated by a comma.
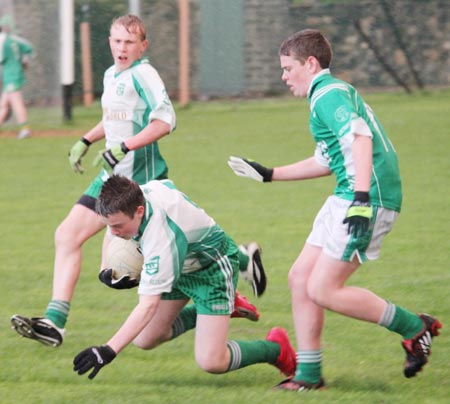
<point>58,311</point>
<point>309,366</point>
<point>243,261</point>
<point>186,320</point>
<point>245,353</point>
<point>401,321</point>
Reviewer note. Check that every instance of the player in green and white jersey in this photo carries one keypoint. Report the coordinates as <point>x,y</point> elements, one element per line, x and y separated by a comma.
<point>352,145</point>
<point>14,56</point>
<point>187,256</point>
<point>137,112</point>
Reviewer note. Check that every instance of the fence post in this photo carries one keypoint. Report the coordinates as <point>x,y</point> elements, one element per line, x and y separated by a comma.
<point>183,50</point>
<point>66,12</point>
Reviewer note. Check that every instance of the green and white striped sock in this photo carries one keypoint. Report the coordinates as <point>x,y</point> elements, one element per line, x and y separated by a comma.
<point>309,366</point>
<point>58,311</point>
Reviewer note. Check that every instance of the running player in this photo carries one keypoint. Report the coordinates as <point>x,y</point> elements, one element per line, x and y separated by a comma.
<point>15,53</point>
<point>352,145</point>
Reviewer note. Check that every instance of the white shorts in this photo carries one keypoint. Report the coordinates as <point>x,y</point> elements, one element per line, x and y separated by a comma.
<point>332,236</point>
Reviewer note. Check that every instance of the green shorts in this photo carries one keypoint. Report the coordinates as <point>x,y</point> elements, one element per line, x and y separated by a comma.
<point>92,192</point>
<point>212,289</point>
<point>95,186</point>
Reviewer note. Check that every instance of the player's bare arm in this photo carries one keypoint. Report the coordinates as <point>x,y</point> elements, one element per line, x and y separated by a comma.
<point>302,170</point>
<point>135,323</point>
<point>154,131</point>
<point>362,156</point>
<point>96,133</point>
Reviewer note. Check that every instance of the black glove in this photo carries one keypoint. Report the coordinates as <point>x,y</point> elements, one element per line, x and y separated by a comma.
<point>124,282</point>
<point>250,169</point>
<point>359,214</point>
<point>94,357</point>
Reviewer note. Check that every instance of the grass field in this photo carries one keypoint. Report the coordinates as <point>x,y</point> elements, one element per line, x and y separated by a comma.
<point>363,362</point>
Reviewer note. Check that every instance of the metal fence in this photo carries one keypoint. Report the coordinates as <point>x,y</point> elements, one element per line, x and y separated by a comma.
<point>234,43</point>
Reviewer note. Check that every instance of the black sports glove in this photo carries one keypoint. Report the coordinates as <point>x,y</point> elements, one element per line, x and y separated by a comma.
<point>359,214</point>
<point>94,357</point>
<point>124,282</point>
<point>251,169</point>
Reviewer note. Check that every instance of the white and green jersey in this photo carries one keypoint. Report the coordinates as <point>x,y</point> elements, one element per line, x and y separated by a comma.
<point>176,237</point>
<point>337,112</point>
<point>13,50</point>
<point>131,100</point>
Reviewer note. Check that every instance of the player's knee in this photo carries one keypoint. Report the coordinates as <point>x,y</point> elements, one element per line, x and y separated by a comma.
<point>318,295</point>
<point>69,236</point>
<point>294,281</point>
<point>63,234</point>
<point>147,342</point>
<point>297,283</point>
<point>213,363</point>
<point>145,345</point>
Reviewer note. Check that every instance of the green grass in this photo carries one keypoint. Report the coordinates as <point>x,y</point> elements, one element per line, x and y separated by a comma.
<point>363,362</point>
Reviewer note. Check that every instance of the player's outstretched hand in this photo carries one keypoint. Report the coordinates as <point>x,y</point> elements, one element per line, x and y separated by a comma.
<point>78,150</point>
<point>124,282</point>
<point>94,357</point>
<point>250,169</point>
<point>109,158</point>
<point>359,214</point>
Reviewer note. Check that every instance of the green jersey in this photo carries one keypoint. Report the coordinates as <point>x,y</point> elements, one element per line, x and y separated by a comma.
<point>131,99</point>
<point>13,50</point>
<point>337,112</point>
<point>177,238</point>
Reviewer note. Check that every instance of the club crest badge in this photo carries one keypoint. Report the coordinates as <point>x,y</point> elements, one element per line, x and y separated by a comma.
<point>152,267</point>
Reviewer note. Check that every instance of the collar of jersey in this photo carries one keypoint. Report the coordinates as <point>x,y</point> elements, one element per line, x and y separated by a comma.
<point>145,219</point>
<point>316,79</point>
<point>137,62</point>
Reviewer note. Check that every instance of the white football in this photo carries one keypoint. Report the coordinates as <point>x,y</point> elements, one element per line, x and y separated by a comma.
<point>124,258</point>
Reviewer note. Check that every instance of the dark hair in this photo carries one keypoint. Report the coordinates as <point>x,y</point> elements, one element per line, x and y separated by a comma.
<point>119,194</point>
<point>305,43</point>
